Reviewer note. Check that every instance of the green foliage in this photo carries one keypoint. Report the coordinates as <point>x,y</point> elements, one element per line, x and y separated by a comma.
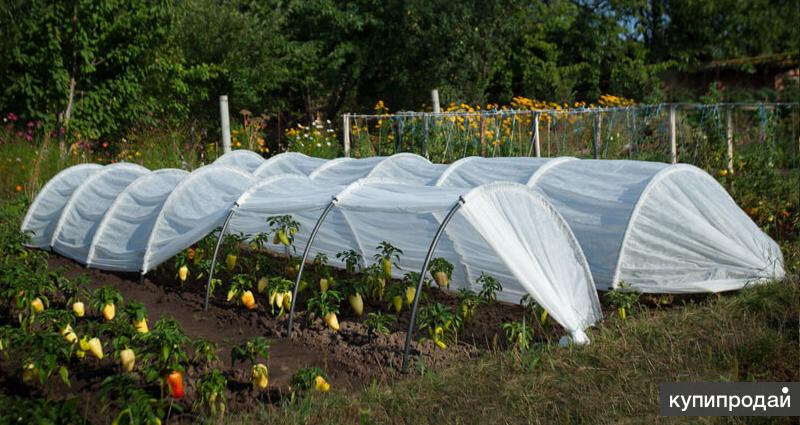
<point>252,349</point>
<point>96,53</point>
<point>303,379</point>
<point>206,353</point>
<point>163,349</point>
<point>439,264</point>
<point>310,60</point>
<point>138,406</point>
<point>43,410</point>
<point>490,286</point>
<point>136,311</point>
<point>211,393</point>
<point>352,260</point>
<point>468,303</point>
<point>104,296</point>
<point>519,333</point>
<point>440,322</point>
<point>379,323</point>
<point>326,302</point>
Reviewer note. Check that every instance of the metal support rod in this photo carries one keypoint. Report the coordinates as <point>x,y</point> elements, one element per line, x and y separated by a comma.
<point>303,262</point>
<point>216,253</point>
<point>346,123</point>
<point>431,249</point>
<point>673,145</point>
<point>537,147</point>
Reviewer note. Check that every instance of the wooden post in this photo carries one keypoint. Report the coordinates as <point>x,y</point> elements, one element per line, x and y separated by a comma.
<point>598,122</point>
<point>435,101</point>
<point>482,127</point>
<point>537,147</point>
<point>729,136</point>
<point>346,124</point>
<point>425,129</point>
<point>225,121</point>
<point>673,145</point>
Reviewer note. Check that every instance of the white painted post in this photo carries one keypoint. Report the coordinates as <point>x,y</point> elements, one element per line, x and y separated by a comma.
<point>673,145</point>
<point>435,100</point>
<point>729,136</point>
<point>537,148</point>
<point>346,123</point>
<point>225,120</point>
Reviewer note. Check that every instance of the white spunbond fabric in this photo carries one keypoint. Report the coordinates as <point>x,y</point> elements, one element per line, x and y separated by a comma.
<point>536,244</point>
<point>242,159</point>
<point>408,169</point>
<point>378,209</point>
<point>702,243</point>
<point>43,214</point>
<point>474,171</point>
<point>601,200</point>
<point>304,200</point>
<point>86,207</point>
<point>345,170</point>
<point>372,210</point>
<point>122,235</point>
<point>597,198</point>
<point>198,204</point>
<point>288,163</point>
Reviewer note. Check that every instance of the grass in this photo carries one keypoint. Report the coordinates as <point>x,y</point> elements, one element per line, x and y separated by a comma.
<point>751,335</point>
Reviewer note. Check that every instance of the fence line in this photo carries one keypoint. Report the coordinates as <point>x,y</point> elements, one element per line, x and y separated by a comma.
<point>692,132</point>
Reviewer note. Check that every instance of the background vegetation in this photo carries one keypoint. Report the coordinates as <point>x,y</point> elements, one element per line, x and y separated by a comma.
<point>103,68</point>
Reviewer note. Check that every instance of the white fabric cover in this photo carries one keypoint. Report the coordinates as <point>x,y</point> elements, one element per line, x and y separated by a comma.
<point>288,163</point>
<point>75,229</point>
<point>605,200</point>
<point>409,169</point>
<point>624,214</point>
<point>202,198</point>
<point>242,159</point>
<point>703,242</point>
<point>121,238</point>
<point>597,198</point>
<point>540,257</point>
<point>345,170</point>
<point>46,208</point>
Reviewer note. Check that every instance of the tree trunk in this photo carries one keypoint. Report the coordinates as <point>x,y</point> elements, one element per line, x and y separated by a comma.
<point>70,99</point>
<point>65,118</point>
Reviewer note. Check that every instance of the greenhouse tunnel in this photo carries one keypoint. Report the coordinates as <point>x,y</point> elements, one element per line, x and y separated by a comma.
<point>553,228</point>
<point>72,236</point>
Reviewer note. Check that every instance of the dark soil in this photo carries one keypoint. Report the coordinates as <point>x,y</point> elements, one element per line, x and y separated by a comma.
<point>354,358</point>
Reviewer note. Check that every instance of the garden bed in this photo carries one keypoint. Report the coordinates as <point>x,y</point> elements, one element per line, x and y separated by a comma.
<point>354,357</point>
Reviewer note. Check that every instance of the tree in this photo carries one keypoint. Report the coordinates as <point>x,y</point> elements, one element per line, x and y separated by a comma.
<point>87,64</point>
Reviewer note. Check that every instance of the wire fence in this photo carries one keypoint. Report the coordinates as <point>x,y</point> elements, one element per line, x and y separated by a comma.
<point>707,135</point>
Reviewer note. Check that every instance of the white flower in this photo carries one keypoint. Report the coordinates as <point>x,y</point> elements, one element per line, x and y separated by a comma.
<point>319,145</point>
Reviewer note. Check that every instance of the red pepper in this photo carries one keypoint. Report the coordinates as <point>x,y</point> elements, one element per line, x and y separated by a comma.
<point>175,382</point>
